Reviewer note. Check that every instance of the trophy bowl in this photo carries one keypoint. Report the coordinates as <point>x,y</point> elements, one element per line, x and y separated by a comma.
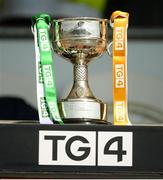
<point>80,40</point>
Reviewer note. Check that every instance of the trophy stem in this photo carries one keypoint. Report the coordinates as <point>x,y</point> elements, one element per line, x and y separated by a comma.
<point>80,72</point>
<point>81,87</point>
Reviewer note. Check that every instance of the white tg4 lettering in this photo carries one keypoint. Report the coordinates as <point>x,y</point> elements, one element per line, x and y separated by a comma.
<point>119,38</point>
<point>44,40</point>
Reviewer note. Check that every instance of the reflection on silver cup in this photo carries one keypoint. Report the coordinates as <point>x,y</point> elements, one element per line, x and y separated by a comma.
<point>80,40</point>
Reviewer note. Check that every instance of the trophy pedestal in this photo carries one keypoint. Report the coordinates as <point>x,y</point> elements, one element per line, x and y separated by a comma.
<point>83,111</point>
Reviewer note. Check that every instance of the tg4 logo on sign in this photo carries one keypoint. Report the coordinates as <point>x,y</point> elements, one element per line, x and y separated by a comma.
<point>85,148</point>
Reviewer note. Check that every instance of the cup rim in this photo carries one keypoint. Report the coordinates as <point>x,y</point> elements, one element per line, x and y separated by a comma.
<point>80,18</point>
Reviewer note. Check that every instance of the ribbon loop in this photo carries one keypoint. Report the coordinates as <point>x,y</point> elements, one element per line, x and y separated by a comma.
<point>117,15</point>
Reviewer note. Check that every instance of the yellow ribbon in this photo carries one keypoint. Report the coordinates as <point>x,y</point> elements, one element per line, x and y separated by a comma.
<point>119,22</point>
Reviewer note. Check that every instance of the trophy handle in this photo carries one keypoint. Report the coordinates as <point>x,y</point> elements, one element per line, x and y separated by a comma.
<point>109,49</point>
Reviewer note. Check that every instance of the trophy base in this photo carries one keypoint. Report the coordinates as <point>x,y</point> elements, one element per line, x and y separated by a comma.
<point>85,121</point>
<point>83,111</point>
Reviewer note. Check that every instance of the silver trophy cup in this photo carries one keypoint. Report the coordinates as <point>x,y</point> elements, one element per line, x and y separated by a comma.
<point>80,40</point>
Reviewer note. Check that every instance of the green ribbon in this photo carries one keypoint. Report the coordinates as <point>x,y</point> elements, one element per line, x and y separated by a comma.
<point>41,22</point>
